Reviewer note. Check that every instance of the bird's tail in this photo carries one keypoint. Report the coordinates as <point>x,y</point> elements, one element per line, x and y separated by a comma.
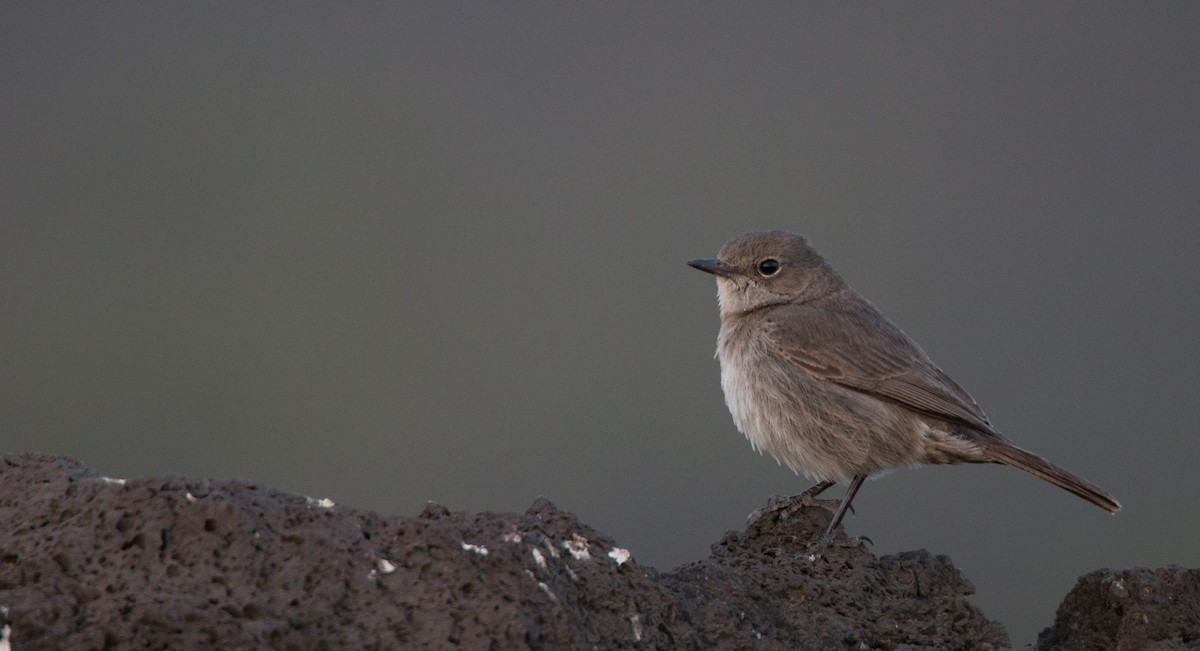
<point>1002,451</point>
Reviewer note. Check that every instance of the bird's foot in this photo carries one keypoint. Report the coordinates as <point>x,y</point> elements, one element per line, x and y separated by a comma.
<point>785,506</point>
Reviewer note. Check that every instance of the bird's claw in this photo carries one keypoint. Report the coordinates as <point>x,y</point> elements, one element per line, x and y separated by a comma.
<point>786,505</point>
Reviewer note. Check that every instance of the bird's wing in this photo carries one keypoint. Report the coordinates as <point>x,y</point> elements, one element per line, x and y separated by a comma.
<point>860,349</point>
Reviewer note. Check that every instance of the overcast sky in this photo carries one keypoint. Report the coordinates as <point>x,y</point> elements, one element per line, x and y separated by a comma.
<point>391,253</point>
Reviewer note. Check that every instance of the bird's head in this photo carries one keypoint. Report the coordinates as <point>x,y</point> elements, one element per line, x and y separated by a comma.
<point>756,270</point>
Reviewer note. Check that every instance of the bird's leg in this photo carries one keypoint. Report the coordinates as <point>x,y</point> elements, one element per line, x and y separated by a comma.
<point>841,512</point>
<point>788,504</point>
<point>809,497</point>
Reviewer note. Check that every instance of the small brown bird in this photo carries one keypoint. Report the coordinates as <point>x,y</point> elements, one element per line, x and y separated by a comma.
<point>820,379</point>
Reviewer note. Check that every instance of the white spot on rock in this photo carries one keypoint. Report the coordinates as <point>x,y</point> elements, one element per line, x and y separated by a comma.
<point>577,547</point>
<point>538,559</point>
<point>478,549</point>
<point>619,555</point>
<point>324,503</point>
<point>636,620</point>
<point>385,566</point>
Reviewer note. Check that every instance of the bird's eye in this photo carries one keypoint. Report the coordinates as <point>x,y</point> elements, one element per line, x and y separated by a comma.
<point>768,267</point>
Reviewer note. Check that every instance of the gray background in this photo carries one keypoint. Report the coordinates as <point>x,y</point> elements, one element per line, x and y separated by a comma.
<point>435,251</point>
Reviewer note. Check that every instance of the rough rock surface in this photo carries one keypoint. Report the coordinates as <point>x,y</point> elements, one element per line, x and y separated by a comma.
<point>88,562</point>
<point>1138,608</point>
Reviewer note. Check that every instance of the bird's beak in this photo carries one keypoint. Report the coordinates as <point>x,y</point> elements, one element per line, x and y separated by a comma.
<point>712,266</point>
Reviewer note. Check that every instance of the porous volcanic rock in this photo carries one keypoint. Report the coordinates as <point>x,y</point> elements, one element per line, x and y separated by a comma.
<point>1140,608</point>
<point>768,584</point>
<point>88,562</point>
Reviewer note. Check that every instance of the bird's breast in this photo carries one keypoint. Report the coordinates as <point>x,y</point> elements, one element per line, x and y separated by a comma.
<point>750,393</point>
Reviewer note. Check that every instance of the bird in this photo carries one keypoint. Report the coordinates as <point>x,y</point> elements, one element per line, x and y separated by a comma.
<point>821,380</point>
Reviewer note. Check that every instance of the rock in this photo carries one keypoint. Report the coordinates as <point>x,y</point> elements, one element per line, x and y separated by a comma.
<point>88,562</point>
<point>1137,608</point>
<point>768,584</point>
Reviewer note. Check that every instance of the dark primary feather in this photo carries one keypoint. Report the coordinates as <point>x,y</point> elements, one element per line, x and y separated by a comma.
<point>887,364</point>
